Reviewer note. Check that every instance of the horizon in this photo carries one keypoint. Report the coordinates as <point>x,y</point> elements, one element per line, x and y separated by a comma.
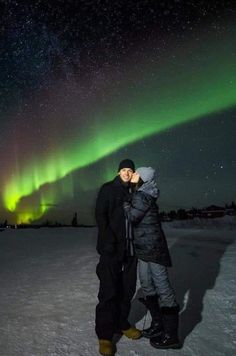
<point>57,222</point>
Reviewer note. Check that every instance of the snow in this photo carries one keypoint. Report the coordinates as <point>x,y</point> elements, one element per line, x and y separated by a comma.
<point>49,292</point>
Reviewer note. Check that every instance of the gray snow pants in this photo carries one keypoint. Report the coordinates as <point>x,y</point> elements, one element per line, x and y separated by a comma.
<point>154,280</point>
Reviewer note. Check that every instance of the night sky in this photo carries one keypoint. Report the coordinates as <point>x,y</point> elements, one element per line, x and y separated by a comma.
<point>84,84</point>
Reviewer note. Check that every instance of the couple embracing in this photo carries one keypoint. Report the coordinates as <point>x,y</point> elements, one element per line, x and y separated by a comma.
<point>130,234</point>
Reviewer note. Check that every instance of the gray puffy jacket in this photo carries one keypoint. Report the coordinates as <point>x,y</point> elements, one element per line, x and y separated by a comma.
<point>149,239</point>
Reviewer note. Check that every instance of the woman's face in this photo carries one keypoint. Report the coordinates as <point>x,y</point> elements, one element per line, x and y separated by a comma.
<point>135,177</point>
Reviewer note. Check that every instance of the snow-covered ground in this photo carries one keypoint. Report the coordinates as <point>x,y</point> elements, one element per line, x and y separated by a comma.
<point>49,288</point>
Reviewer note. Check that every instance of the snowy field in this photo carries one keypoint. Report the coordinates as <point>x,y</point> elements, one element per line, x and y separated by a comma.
<point>49,292</point>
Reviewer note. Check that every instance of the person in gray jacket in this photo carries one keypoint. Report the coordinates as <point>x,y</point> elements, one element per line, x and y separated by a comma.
<point>153,259</point>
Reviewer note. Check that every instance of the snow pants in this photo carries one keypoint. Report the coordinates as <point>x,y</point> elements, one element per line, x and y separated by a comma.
<point>117,288</point>
<point>154,280</point>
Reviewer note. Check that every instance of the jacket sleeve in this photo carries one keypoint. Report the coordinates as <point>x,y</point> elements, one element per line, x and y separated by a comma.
<point>106,237</point>
<point>138,207</point>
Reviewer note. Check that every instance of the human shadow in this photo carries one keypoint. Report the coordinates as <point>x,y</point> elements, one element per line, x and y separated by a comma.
<point>196,265</point>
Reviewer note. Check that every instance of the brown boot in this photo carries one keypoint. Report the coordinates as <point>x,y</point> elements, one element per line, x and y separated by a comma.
<point>106,348</point>
<point>132,333</point>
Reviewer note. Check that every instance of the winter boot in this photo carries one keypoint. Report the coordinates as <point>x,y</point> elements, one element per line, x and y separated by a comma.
<point>156,328</point>
<point>106,348</point>
<point>132,333</point>
<point>169,340</point>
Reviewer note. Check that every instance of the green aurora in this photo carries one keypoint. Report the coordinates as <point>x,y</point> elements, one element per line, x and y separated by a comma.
<point>194,83</point>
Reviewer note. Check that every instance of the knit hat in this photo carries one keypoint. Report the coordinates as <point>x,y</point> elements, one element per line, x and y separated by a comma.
<point>146,173</point>
<point>126,163</point>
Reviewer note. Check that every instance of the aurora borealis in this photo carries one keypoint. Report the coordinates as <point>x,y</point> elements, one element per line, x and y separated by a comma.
<point>71,116</point>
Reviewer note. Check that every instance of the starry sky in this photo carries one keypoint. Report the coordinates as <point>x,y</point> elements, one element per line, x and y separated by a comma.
<point>84,84</point>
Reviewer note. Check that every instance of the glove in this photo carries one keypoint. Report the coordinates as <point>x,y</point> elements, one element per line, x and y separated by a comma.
<point>126,206</point>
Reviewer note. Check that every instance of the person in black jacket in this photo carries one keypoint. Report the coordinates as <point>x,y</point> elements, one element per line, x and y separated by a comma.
<point>153,259</point>
<point>117,265</point>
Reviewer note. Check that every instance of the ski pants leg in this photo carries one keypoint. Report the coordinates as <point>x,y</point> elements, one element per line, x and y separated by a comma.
<point>154,279</point>
<point>116,290</point>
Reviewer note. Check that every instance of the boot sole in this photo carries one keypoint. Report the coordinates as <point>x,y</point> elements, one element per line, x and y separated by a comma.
<point>166,347</point>
<point>106,354</point>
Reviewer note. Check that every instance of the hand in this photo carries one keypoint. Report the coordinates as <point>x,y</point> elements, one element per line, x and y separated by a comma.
<point>135,177</point>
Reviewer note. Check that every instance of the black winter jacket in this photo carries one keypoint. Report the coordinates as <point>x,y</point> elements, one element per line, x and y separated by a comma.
<point>149,239</point>
<point>110,218</point>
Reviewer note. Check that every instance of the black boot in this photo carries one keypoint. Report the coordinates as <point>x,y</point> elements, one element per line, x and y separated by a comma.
<point>156,328</point>
<point>170,339</point>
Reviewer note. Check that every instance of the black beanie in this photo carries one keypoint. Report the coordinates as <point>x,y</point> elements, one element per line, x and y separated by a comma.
<point>126,163</point>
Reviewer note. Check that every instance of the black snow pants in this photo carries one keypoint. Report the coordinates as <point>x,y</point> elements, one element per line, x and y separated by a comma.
<point>117,288</point>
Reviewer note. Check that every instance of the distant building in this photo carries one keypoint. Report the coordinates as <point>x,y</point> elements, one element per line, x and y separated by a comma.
<point>213,211</point>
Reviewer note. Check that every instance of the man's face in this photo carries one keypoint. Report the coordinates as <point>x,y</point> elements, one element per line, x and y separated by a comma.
<point>126,174</point>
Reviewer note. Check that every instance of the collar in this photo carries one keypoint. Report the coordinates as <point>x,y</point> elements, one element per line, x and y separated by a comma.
<point>118,181</point>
